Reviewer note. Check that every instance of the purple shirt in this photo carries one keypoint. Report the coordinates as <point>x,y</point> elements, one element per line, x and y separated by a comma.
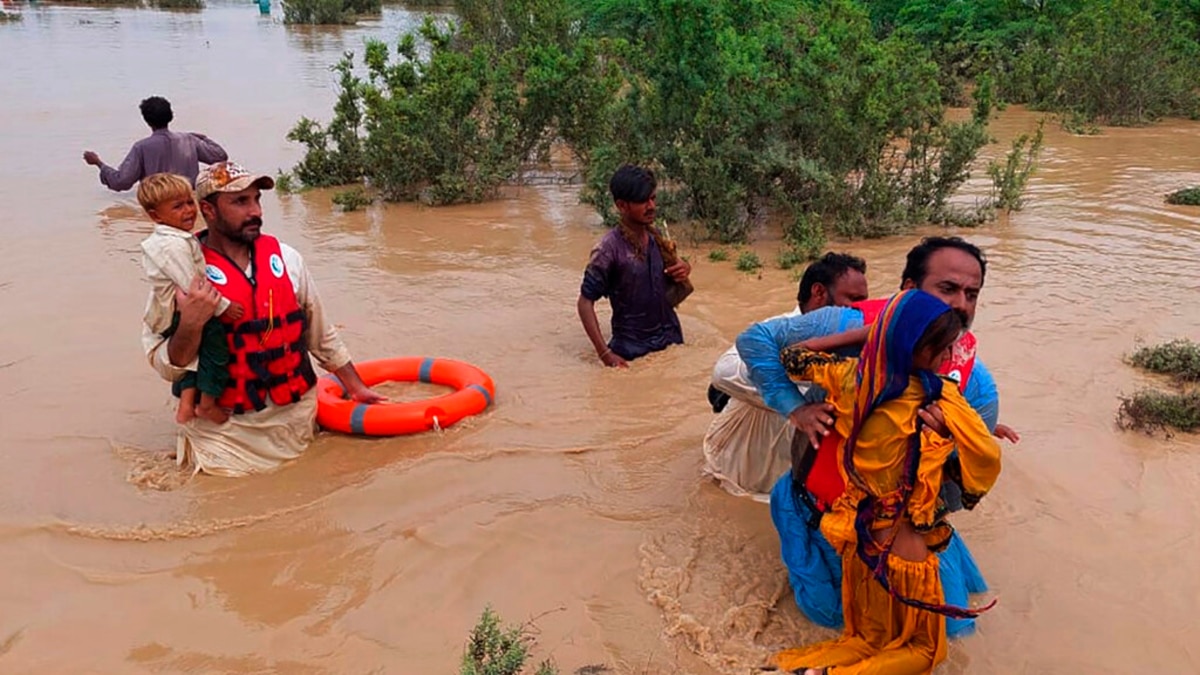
<point>163,151</point>
<point>643,321</point>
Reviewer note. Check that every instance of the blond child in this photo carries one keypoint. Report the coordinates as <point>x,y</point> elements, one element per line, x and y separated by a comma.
<point>172,258</point>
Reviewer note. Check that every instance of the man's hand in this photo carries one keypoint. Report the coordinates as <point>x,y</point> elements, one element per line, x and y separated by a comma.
<point>1005,432</point>
<point>365,394</point>
<point>198,303</point>
<point>814,420</point>
<point>612,360</point>
<point>934,419</point>
<point>92,158</point>
<point>679,271</point>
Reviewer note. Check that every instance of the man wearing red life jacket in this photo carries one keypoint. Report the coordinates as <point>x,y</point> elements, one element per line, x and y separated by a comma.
<point>270,389</point>
<point>949,268</point>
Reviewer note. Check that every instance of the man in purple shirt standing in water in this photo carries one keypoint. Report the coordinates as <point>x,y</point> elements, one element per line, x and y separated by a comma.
<point>163,151</point>
<point>628,268</point>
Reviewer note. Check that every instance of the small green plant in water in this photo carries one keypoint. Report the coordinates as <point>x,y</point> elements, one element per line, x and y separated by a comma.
<point>5,16</point>
<point>1150,410</point>
<point>352,199</point>
<point>749,261</point>
<point>285,182</point>
<point>1178,358</point>
<point>1010,177</point>
<point>494,649</point>
<point>1187,197</point>
<point>177,4</point>
<point>718,255</point>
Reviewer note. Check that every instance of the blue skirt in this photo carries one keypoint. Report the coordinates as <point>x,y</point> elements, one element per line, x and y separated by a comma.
<point>815,569</point>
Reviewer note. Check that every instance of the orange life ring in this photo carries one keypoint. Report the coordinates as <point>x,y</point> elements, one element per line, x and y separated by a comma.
<point>475,393</point>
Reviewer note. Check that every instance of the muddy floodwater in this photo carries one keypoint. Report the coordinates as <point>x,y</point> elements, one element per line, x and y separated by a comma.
<point>577,500</point>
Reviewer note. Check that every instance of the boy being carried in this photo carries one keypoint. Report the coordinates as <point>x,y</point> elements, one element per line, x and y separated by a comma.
<point>172,258</point>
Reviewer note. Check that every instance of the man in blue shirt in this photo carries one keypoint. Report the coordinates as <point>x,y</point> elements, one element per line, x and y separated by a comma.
<point>947,267</point>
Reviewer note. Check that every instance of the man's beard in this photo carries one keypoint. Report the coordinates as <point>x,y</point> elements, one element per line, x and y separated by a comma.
<point>240,233</point>
<point>964,317</point>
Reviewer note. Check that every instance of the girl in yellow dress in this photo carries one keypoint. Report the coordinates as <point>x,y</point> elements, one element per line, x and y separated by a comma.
<point>900,426</point>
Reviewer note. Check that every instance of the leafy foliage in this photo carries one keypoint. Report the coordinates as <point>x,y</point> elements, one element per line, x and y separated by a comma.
<point>748,110</point>
<point>1187,196</point>
<point>493,649</point>
<point>1180,358</point>
<point>328,11</point>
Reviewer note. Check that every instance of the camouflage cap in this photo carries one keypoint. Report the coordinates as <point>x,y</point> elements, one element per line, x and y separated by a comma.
<point>229,177</point>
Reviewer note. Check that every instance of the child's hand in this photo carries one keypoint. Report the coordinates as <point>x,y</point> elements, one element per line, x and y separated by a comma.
<point>934,419</point>
<point>235,311</point>
<point>1007,433</point>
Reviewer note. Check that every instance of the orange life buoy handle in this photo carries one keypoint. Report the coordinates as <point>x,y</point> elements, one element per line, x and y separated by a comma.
<point>475,392</point>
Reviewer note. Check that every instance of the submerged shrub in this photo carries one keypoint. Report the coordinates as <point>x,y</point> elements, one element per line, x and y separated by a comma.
<point>1187,197</point>
<point>317,12</point>
<point>1178,358</point>
<point>749,111</point>
<point>1150,410</point>
<point>493,649</point>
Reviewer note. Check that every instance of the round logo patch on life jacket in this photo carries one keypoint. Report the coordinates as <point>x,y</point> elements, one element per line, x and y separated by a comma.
<point>955,376</point>
<point>215,275</point>
<point>276,265</point>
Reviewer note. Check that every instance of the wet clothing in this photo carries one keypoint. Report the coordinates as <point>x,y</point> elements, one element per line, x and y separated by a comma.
<point>172,258</point>
<point>893,609</point>
<point>813,566</point>
<point>643,319</point>
<point>256,441</point>
<point>163,151</point>
<point>212,361</point>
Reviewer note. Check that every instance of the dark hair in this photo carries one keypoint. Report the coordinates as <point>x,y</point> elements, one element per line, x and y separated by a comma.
<point>156,110</point>
<point>917,266</point>
<point>940,333</point>
<point>633,184</point>
<point>826,271</point>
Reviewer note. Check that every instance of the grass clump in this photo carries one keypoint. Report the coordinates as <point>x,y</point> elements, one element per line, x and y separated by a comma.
<point>495,649</point>
<point>177,4</point>
<point>1186,197</point>
<point>749,261</point>
<point>329,12</point>
<point>718,255</point>
<point>1150,410</point>
<point>352,199</point>
<point>1178,358</point>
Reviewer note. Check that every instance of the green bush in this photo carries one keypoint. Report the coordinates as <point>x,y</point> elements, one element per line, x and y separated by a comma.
<point>1010,177</point>
<point>177,4</point>
<point>1179,358</point>
<point>718,255</point>
<point>352,200</point>
<point>318,12</point>
<point>748,261</point>
<point>1149,410</point>
<point>493,649</point>
<point>1186,196</point>
<point>746,109</point>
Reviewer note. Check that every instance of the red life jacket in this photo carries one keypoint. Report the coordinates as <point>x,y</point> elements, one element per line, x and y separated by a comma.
<point>267,354</point>
<point>824,481</point>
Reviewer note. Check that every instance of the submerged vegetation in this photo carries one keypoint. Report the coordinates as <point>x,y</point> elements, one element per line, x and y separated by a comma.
<point>749,111</point>
<point>329,11</point>
<point>1186,197</point>
<point>1178,358</point>
<point>494,649</point>
<point>1152,410</point>
<point>823,117</point>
